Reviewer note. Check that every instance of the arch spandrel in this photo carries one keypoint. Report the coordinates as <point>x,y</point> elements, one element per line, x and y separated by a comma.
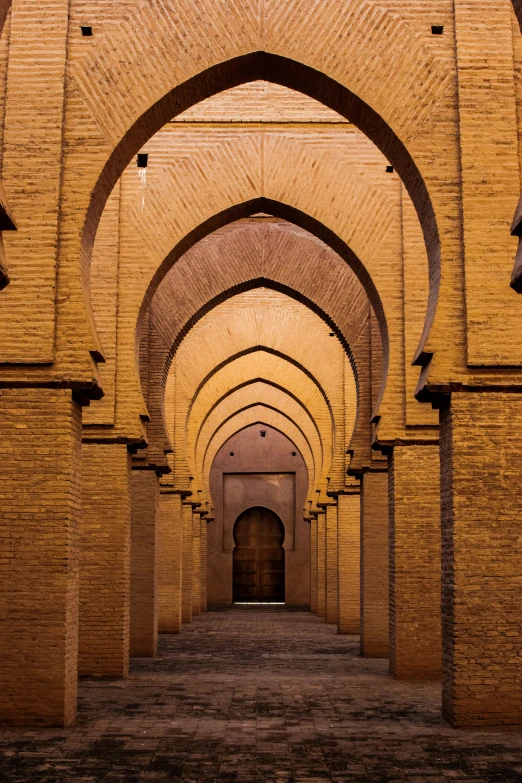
<point>247,397</point>
<point>270,368</point>
<point>295,75</point>
<point>258,414</point>
<point>133,254</point>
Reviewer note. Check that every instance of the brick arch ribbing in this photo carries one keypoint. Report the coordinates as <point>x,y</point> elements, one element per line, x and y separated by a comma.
<point>297,76</point>
<point>257,366</point>
<point>304,448</point>
<point>249,418</point>
<point>244,396</point>
<point>349,318</point>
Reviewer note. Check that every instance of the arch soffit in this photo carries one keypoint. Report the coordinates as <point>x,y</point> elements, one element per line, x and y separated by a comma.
<point>312,404</point>
<point>299,387</point>
<point>246,396</point>
<point>250,417</point>
<point>264,320</point>
<point>259,349</point>
<point>314,448</point>
<point>298,76</point>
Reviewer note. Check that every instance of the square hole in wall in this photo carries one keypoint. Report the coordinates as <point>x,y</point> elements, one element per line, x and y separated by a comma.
<point>142,160</point>
<point>86,31</point>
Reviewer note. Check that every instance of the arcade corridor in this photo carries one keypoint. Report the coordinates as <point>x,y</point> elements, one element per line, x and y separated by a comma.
<point>259,694</point>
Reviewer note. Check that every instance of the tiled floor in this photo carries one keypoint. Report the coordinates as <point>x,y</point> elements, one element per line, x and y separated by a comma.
<point>258,694</point>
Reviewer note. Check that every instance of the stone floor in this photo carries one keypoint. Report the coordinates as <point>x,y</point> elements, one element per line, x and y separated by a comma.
<point>259,694</point>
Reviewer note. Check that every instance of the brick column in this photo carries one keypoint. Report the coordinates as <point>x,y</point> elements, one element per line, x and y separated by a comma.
<point>331,569</point>
<point>203,564</point>
<point>374,564</point>
<point>321,564</point>
<point>313,565</point>
<point>414,496</point>
<point>170,543</point>
<point>105,560</point>
<point>196,564</point>
<point>349,554</point>
<point>40,432</point>
<point>481,516</point>
<point>186,567</point>
<point>144,577</point>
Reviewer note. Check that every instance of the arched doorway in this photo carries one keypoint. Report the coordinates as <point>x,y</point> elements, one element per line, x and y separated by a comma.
<point>259,557</point>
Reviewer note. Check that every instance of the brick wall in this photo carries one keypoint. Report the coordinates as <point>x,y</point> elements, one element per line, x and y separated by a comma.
<point>169,562</point>
<point>481,444</point>
<point>144,574</point>
<point>374,565</point>
<point>349,554</point>
<point>40,431</point>
<point>105,560</point>
<point>414,489</point>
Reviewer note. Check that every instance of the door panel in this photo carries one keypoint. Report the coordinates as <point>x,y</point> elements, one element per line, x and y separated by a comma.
<point>259,557</point>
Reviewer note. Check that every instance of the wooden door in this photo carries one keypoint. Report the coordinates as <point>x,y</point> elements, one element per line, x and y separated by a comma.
<point>259,557</point>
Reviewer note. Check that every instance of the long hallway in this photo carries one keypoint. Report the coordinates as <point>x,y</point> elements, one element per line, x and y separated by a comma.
<point>259,694</point>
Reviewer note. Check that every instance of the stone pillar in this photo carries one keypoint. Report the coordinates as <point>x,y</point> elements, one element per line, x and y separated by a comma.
<point>349,554</point>
<point>331,570</point>
<point>374,564</point>
<point>196,564</point>
<point>40,432</point>
<point>481,517</point>
<point>313,565</point>
<point>203,564</point>
<point>415,635</point>
<point>144,576</point>
<point>170,544</point>
<point>105,560</point>
<point>321,563</point>
<point>186,567</point>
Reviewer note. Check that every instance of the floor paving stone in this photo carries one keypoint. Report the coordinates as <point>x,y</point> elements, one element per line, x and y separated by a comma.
<point>259,694</point>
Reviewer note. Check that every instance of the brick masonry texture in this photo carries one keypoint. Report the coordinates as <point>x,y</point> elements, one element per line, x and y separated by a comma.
<point>144,571</point>
<point>170,549</point>
<point>349,556</point>
<point>482,635</point>
<point>105,553</point>
<point>269,265</point>
<point>415,609</point>
<point>257,695</point>
<point>40,516</point>
<point>374,565</point>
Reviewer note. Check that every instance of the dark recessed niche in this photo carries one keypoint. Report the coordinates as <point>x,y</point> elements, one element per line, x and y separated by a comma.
<point>263,433</point>
<point>389,169</point>
<point>142,160</point>
<point>86,31</point>
<point>332,334</point>
<point>437,29</point>
<point>294,453</point>
<point>231,453</point>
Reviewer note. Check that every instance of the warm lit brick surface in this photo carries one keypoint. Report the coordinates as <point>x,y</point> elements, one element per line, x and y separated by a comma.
<point>481,446</point>
<point>255,696</point>
<point>196,565</point>
<point>349,555</point>
<point>374,565</point>
<point>321,564</point>
<point>144,574</point>
<point>105,560</point>
<point>332,566</point>
<point>170,544</point>
<point>40,437</point>
<point>414,487</point>
<point>186,564</point>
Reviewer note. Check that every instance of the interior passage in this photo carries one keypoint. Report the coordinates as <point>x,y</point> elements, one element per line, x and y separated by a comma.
<point>259,694</point>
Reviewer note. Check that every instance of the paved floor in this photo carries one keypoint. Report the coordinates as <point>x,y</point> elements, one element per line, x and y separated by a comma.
<point>259,695</point>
